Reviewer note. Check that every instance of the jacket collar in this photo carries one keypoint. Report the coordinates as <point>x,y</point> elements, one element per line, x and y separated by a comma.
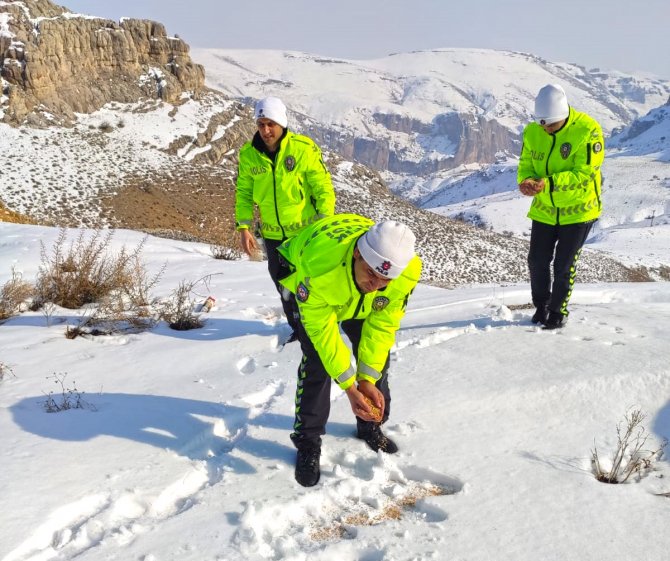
<point>258,144</point>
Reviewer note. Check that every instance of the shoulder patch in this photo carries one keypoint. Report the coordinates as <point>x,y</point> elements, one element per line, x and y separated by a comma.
<point>379,303</point>
<point>566,148</point>
<point>289,163</point>
<point>302,292</point>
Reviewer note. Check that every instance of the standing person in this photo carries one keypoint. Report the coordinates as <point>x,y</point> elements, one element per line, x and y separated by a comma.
<point>284,175</point>
<point>559,167</point>
<point>348,270</point>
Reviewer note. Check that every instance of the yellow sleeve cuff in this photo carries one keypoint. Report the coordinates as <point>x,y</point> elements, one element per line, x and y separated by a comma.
<point>361,376</point>
<point>348,383</point>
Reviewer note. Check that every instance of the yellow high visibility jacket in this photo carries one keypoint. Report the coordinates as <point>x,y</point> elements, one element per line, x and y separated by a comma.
<point>291,192</point>
<point>570,161</point>
<point>321,258</point>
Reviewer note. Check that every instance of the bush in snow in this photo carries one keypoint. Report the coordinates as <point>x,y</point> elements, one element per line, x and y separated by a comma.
<point>112,291</point>
<point>69,398</point>
<point>227,244</point>
<point>225,252</point>
<point>179,309</point>
<point>629,456</point>
<point>13,294</point>
<point>85,271</point>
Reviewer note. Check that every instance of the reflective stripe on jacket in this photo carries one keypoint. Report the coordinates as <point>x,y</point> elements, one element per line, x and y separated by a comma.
<point>293,191</point>
<point>321,258</point>
<point>570,162</point>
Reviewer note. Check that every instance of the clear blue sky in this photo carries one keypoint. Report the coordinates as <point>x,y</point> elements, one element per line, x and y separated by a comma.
<point>613,34</point>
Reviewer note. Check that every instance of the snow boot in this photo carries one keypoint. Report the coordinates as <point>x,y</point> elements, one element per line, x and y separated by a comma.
<point>308,466</point>
<point>376,439</point>
<point>555,320</point>
<point>540,315</point>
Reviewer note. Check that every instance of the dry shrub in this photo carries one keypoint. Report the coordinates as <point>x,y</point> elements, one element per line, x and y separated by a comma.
<point>86,272</point>
<point>14,293</point>
<point>68,397</point>
<point>115,313</point>
<point>178,310</point>
<point>225,252</point>
<point>629,456</point>
<point>112,290</point>
<point>226,246</point>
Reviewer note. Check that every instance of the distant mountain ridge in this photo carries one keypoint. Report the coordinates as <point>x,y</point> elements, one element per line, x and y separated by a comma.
<point>416,114</point>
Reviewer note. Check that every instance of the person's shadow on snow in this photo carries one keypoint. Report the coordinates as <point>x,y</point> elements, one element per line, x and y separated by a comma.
<point>199,430</point>
<point>661,426</point>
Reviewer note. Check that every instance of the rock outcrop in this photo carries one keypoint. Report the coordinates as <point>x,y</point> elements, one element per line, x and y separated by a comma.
<point>56,63</point>
<point>473,138</point>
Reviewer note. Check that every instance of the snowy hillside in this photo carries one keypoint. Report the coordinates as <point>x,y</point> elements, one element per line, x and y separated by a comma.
<point>436,109</point>
<point>181,449</point>
<point>421,85</point>
<point>146,166</point>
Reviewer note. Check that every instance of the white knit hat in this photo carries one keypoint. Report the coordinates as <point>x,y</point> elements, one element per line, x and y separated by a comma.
<point>271,108</point>
<point>387,247</point>
<point>551,105</point>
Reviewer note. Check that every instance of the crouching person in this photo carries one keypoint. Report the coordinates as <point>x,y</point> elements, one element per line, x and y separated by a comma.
<point>348,271</point>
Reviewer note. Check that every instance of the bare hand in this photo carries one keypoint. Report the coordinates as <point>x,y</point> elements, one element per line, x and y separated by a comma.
<point>359,405</point>
<point>248,242</point>
<point>531,187</point>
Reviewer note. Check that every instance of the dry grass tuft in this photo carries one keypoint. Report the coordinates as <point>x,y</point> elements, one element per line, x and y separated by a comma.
<point>13,294</point>
<point>393,510</point>
<point>630,457</point>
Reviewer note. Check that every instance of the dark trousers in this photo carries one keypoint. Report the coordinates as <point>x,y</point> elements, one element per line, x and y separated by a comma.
<point>563,245</point>
<point>278,270</point>
<point>312,403</point>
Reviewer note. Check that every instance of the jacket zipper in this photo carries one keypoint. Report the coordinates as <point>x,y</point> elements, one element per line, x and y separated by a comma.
<point>359,305</point>
<point>551,185</point>
<point>595,182</point>
<point>274,187</point>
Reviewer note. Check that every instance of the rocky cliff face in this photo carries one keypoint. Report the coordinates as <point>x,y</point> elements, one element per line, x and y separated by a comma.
<point>473,139</point>
<point>55,63</point>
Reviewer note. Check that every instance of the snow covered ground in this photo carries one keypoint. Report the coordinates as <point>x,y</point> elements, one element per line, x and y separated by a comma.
<point>182,449</point>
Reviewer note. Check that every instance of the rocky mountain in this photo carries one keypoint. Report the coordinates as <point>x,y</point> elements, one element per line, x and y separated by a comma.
<point>648,134</point>
<point>109,124</point>
<point>414,115</point>
<point>49,53</point>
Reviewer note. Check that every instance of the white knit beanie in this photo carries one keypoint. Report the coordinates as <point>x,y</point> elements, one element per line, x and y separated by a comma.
<point>551,105</point>
<point>271,108</point>
<point>387,247</point>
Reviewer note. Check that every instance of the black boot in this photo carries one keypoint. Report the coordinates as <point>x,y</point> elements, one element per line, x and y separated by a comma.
<point>540,315</point>
<point>307,466</point>
<point>376,439</point>
<point>555,320</point>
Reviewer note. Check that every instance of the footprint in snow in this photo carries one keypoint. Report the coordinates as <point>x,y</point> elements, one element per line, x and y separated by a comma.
<point>269,315</point>
<point>263,399</point>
